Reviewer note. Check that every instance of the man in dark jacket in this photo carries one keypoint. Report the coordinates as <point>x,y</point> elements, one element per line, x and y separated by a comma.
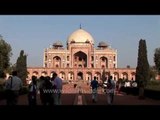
<point>94,85</point>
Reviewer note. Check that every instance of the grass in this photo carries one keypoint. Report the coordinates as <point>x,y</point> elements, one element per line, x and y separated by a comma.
<point>153,85</point>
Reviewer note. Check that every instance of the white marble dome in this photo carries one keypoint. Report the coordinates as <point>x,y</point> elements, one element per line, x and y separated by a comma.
<point>80,36</point>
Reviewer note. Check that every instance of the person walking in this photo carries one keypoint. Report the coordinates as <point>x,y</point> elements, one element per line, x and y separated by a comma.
<point>110,90</point>
<point>94,86</point>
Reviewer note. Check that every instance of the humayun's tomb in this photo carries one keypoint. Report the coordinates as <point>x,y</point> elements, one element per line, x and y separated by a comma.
<point>80,60</point>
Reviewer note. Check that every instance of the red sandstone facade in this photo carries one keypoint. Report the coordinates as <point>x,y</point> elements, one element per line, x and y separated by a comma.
<point>81,60</point>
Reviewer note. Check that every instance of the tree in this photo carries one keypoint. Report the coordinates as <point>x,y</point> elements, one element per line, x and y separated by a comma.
<point>142,69</point>
<point>21,66</point>
<point>152,73</point>
<point>157,59</point>
<point>5,54</point>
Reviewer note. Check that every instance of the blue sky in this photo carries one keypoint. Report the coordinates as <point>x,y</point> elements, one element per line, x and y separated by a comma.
<point>33,33</point>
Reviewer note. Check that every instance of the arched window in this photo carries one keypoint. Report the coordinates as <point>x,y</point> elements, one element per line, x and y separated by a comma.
<point>92,58</point>
<point>67,58</point>
<point>102,66</point>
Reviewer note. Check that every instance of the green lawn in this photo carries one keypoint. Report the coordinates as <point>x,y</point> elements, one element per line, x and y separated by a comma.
<point>153,85</point>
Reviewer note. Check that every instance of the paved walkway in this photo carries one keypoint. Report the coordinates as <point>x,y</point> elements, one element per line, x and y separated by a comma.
<point>121,99</point>
<point>67,99</point>
<point>70,93</point>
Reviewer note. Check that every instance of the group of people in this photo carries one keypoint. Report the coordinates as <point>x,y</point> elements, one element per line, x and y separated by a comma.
<point>110,90</point>
<point>50,89</point>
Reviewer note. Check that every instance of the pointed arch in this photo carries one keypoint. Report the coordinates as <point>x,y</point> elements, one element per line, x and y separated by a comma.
<point>125,75</point>
<point>70,75</point>
<point>133,74</point>
<point>116,76</point>
<point>88,76</point>
<point>104,62</point>
<point>62,75</point>
<point>98,75</point>
<point>56,62</point>
<point>80,59</point>
<point>44,73</point>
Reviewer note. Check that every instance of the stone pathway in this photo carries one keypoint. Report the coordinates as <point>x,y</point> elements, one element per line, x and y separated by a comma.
<point>71,96</point>
<point>121,99</point>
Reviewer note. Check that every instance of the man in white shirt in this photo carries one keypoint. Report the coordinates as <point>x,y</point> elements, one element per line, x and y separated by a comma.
<point>13,86</point>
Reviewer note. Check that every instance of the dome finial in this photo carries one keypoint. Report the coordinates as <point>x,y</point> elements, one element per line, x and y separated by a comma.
<point>80,26</point>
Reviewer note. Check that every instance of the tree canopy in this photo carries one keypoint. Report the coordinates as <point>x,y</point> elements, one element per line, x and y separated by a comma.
<point>157,59</point>
<point>5,54</point>
<point>21,66</point>
<point>142,69</point>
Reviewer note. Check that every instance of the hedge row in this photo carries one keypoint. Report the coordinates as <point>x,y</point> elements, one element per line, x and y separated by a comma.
<point>147,92</point>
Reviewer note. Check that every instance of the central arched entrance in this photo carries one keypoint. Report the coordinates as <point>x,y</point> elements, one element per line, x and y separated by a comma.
<point>80,60</point>
<point>80,76</point>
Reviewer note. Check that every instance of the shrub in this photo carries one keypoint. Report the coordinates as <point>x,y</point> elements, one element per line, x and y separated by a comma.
<point>153,85</point>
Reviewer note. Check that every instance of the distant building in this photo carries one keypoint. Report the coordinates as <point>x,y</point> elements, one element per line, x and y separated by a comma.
<point>81,60</point>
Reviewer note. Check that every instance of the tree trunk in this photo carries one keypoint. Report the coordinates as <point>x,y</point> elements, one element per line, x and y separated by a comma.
<point>141,93</point>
